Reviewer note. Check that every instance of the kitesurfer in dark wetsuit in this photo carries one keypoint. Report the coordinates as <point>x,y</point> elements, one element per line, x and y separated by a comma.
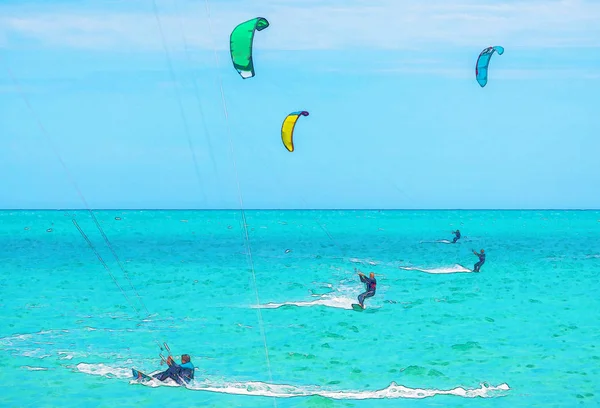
<point>479,264</point>
<point>176,372</point>
<point>371,283</point>
<point>457,237</point>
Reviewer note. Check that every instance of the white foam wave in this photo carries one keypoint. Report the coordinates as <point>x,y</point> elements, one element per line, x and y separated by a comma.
<point>36,353</point>
<point>257,388</point>
<point>34,368</point>
<point>104,370</point>
<point>11,340</point>
<point>457,268</point>
<point>439,241</point>
<point>364,261</point>
<point>339,302</point>
<point>393,391</point>
<point>69,355</point>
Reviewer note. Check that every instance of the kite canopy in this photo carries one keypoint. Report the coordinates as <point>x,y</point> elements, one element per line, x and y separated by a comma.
<point>240,43</point>
<point>481,68</point>
<point>287,129</point>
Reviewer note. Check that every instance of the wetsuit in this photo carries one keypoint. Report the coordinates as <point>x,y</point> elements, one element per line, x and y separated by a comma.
<point>457,237</point>
<point>371,287</point>
<point>178,373</point>
<point>479,264</point>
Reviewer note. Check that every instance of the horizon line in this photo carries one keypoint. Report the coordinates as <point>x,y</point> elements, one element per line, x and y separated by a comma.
<point>298,209</point>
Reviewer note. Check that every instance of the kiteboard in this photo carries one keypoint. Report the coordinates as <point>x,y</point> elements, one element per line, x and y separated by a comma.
<point>357,307</point>
<point>138,375</point>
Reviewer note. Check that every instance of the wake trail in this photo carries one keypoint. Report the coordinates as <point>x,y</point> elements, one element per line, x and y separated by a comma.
<point>457,268</point>
<point>258,388</point>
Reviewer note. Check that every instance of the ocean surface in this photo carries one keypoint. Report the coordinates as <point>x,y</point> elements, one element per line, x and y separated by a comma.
<point>267,319</point>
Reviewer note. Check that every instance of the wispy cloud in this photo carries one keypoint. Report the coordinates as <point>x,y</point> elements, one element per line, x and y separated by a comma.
<point>375,24</point>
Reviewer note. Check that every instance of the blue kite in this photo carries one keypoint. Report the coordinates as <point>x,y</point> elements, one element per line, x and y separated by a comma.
<point>481,68</point>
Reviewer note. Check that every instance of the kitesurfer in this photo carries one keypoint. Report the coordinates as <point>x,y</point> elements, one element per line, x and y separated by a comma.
<point>479,264</point>
<point>178,372</point>
<point>457,236</point>
<point>371,284</point>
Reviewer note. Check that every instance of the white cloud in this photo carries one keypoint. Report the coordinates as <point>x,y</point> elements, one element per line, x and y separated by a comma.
<point>376,24</point>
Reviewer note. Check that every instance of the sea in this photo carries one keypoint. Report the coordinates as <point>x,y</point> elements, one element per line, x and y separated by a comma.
<point>262,302</point>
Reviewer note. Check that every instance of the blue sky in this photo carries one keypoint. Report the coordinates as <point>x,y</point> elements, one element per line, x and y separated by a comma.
<point>397,119</point>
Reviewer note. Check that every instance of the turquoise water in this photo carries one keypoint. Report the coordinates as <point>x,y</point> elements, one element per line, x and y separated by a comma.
<point>522,333</point>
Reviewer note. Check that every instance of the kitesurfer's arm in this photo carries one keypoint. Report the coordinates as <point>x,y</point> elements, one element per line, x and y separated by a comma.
<point>171,362</point>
